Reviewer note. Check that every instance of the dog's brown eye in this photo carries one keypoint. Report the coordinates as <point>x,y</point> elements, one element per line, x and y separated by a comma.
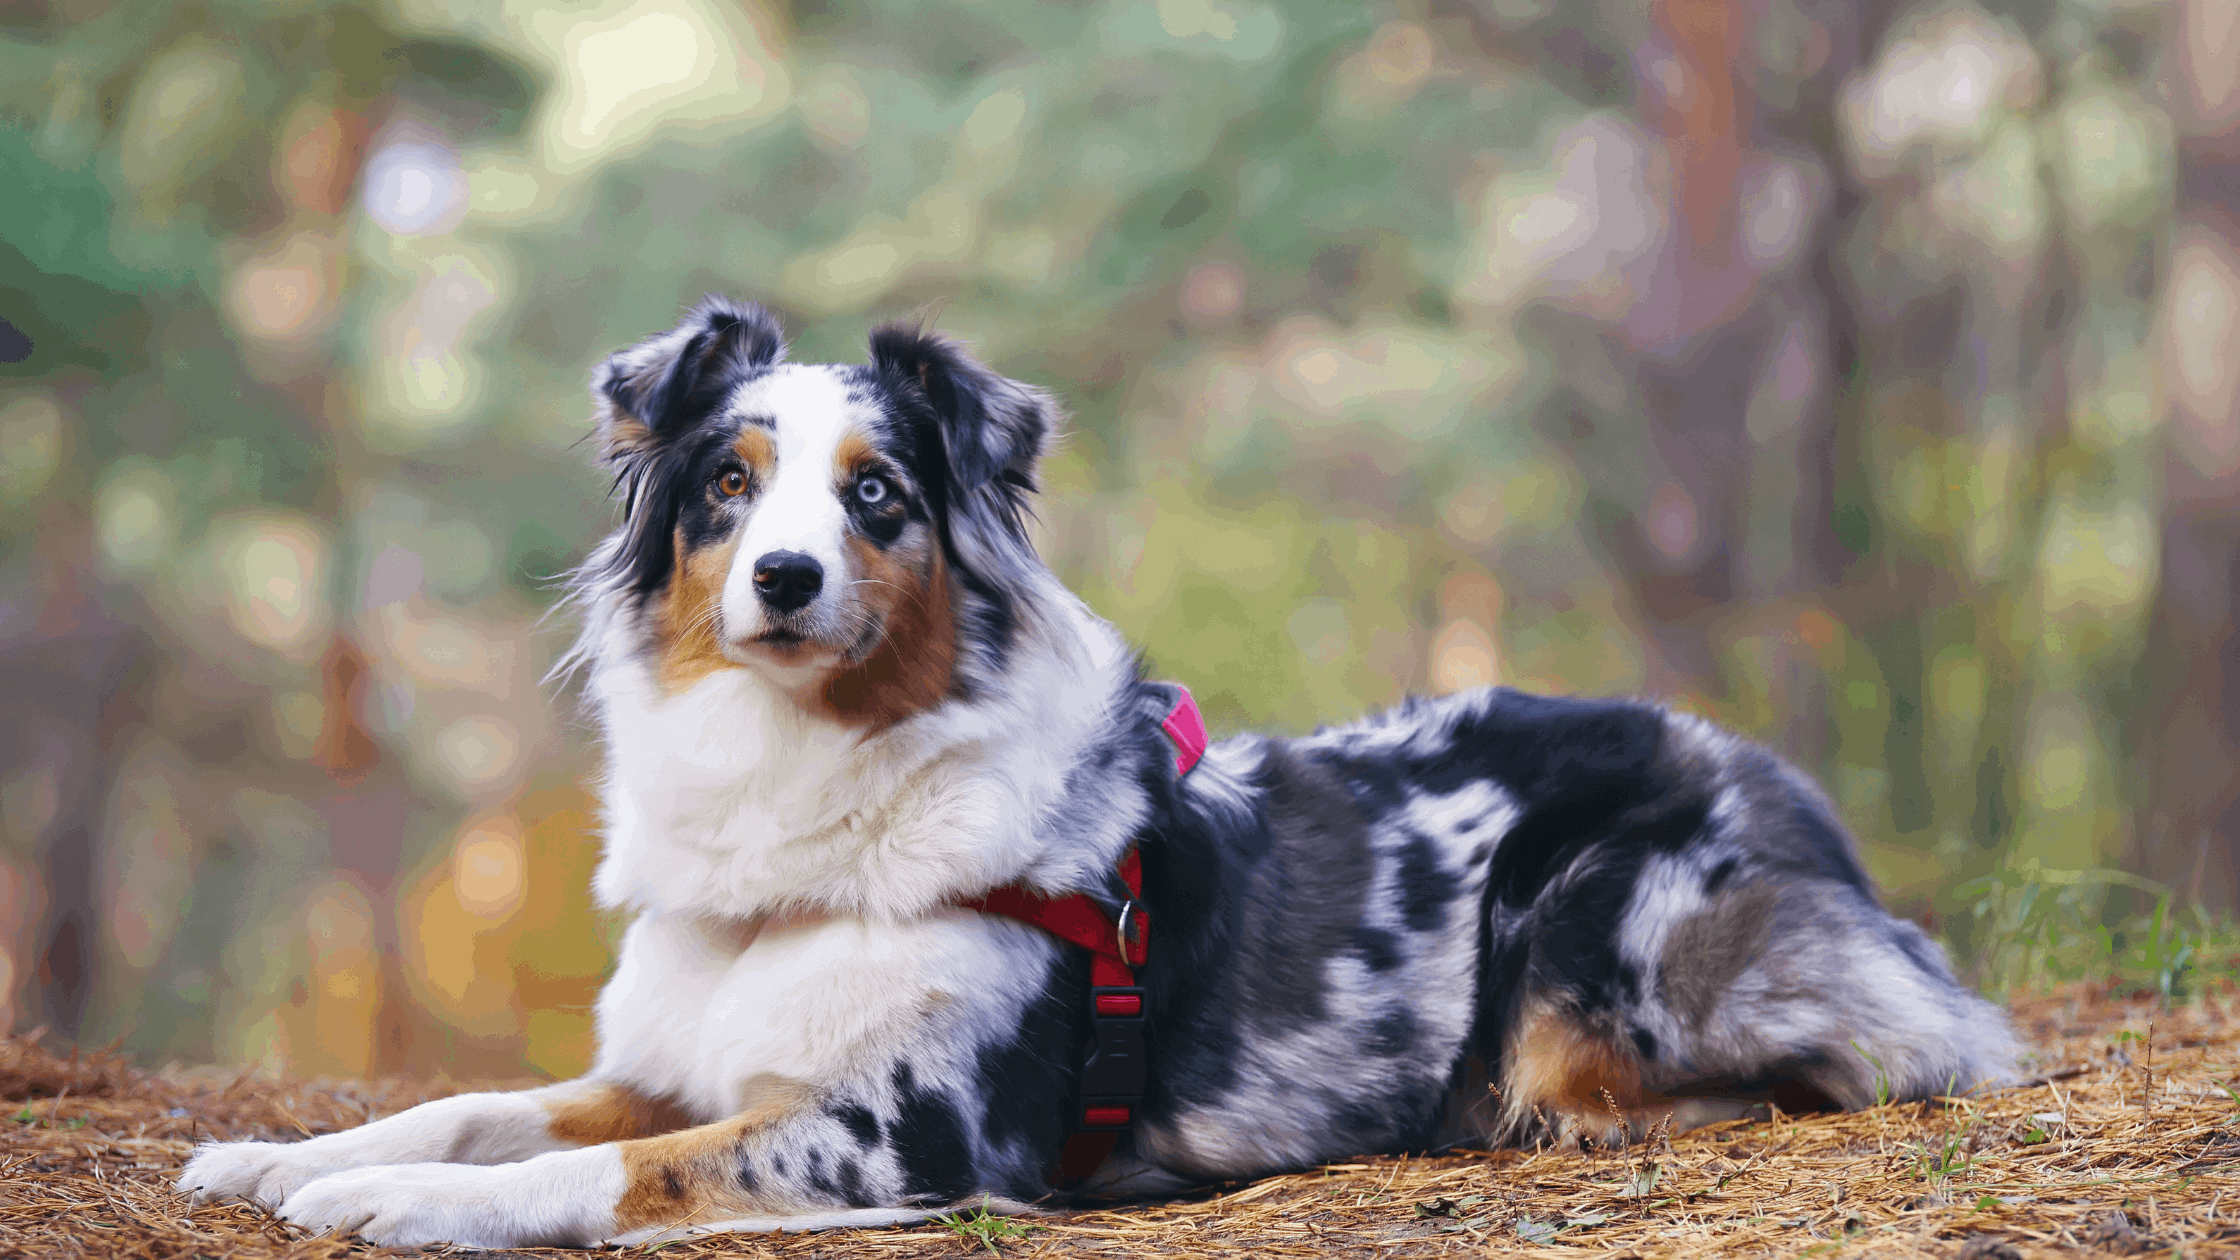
<point>733,483</point>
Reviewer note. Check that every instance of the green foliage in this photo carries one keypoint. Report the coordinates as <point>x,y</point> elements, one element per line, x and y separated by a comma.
<point>1941,1159</point>
<point>25,1116</point>
<point>1882,1090</point>
<point>2035,928</point>
<point>986,1228</point>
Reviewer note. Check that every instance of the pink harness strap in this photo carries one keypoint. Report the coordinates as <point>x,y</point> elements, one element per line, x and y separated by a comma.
<point>1187,728</point>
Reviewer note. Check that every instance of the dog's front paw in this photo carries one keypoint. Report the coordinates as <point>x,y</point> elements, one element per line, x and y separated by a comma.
<point>262,1172</point>
<point>419,1205</point>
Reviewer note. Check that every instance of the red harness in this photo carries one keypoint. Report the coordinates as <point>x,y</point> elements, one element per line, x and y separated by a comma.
<point>1112,1080</point>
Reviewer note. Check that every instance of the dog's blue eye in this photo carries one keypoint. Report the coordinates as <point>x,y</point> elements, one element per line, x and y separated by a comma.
<point>871,489</point>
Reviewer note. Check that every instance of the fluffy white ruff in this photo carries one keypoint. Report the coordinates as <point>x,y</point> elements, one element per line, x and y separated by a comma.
<point>729,799</point>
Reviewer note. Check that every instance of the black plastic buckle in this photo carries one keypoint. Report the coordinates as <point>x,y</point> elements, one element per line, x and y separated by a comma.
<point>1112,1079</point>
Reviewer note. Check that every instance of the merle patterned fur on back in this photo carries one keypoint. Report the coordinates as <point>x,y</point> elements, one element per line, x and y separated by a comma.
<point>1305,891</point>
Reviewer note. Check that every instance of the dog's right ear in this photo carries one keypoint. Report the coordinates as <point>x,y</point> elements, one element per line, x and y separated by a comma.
<point>667,384</point>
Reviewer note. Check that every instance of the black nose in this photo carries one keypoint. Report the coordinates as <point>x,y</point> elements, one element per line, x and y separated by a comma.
<point>787,580</point>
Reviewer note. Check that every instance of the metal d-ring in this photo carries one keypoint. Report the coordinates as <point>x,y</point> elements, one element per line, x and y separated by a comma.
<point>1120,931</point>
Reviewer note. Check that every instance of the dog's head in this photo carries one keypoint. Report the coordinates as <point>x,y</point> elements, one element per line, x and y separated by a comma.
<point>855,533</point>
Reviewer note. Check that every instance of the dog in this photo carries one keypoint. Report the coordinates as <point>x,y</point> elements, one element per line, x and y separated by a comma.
<point>844,705</point>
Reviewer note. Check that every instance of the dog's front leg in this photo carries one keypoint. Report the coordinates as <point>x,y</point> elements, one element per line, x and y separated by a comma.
<point>467,1129</point>
<point>783,1161</point>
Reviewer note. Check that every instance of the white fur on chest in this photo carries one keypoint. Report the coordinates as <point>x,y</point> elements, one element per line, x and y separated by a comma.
<point>691,1016</point>
<point>728,799</point>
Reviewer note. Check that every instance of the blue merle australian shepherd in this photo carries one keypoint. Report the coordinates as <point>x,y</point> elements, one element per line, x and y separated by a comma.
<point>867,760</point>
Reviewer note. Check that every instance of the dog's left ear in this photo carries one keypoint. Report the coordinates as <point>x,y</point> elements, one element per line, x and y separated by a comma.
<point>992,428</point>
<point>660,388</point>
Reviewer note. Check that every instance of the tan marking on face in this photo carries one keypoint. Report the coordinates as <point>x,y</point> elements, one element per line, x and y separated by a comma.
<point>1570,1071</point>
<point>853,452</point>
<point>690,611</point>
<point>904,588</point>
<point>601,1112</point>
<point>912,667</point>
<point>692,1176</point>
<point>756,451</point>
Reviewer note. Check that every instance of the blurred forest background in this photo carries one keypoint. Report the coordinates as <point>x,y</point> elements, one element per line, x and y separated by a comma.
<point>1864,375</point>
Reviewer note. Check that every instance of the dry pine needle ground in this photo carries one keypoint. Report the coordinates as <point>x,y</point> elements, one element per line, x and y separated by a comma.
<point>2131,1147</point>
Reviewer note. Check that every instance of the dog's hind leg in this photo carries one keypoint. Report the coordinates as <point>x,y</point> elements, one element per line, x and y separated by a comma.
<point>1760,991</point>
<point>1791,991</point>
<point>1568,1075</point>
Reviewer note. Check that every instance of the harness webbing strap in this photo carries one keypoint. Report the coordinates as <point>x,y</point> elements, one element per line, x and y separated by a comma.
<point>1078,920</point>
<point>1187,728</point>
<point>1112,1081</point>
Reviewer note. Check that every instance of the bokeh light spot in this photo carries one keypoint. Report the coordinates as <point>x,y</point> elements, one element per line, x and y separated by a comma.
<point>1671,521</point>
<point>414,187</point>
<point>477,752</point>
<point>486,869</point>
<point>275,572</point>
<point>1463,656</point>
<point>133,518</point>
<point>1212,293</point>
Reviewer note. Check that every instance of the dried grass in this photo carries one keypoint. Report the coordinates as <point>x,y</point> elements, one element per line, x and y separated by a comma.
<point>2131,1146</point>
